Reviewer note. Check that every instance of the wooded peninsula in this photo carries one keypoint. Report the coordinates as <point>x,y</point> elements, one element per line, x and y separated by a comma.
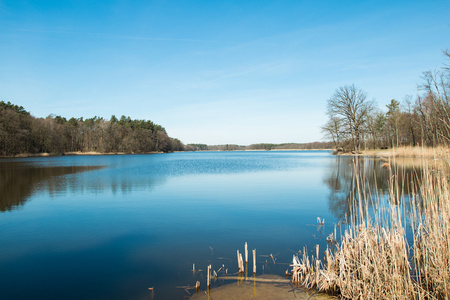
<point>21,133</point>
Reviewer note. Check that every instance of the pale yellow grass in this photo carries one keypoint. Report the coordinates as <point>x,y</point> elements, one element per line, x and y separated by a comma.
<point>409,151</point>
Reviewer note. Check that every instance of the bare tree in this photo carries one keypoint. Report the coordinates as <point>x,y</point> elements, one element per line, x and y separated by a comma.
<point>332,130</point>
<point>351,107</point>
<point>436,84</point>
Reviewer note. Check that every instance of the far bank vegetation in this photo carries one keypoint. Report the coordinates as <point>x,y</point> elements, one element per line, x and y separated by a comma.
<point>261,146</point>
<point>21,133</point>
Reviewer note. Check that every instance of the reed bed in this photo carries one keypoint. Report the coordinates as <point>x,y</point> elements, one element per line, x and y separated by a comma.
<point>410,151</point>
<point>391,252</point>
<point>432,235</point>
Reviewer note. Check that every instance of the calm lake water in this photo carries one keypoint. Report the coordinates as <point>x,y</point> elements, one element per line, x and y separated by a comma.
<point>110,227</point>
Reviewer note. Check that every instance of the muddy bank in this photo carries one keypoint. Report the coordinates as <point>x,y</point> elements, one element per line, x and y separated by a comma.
<point>241,290</point>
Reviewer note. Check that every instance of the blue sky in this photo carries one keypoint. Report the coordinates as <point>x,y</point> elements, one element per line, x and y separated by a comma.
<point>215,72</point>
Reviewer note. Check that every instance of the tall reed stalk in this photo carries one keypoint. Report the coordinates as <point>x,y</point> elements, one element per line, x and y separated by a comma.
<point>372,258</point>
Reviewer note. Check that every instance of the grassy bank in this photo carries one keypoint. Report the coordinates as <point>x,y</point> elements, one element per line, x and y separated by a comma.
<point>409,151</point>
<point>393,251</point>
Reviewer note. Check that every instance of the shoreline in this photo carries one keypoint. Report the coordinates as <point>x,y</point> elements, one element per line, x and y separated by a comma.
<point>95,153</point>
<point>289,150</point>
<point>403,152</point>
<point>78,153</point>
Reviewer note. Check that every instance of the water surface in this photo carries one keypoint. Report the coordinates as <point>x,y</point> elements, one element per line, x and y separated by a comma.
<point>110,227</point>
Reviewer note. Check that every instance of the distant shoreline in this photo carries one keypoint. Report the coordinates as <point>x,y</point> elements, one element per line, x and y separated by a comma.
<point>258,150</point>
<point>292,150</point>
<point>94,153</point>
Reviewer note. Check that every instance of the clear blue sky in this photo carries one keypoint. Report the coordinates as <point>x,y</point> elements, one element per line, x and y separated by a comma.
<point>215,72</point>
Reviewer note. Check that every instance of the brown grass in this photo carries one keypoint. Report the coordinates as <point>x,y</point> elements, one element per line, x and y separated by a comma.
<point>372,258</point>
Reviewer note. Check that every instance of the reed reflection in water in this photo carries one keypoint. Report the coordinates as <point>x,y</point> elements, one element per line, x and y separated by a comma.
<point>342,175</point>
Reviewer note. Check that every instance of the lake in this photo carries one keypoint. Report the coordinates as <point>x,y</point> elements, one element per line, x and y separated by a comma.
<point>110,227</point>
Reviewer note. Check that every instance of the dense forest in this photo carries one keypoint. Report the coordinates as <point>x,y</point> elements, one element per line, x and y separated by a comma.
<point>21,133</point>
<point>356,123</point>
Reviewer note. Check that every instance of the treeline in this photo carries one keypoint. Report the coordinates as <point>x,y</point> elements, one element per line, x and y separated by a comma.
<point>292,146</point>
<point>355,122</point>
<point>261,146</point>
<point>21,133</point>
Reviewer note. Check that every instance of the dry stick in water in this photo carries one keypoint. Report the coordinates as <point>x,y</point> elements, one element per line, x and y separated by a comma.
<point>238,261</point>
<point>241,264</point>
<point>254,261</point>
<point>246,253</point>
<point>317,265</point>
<point>246,259</point>
<point>208,276</point>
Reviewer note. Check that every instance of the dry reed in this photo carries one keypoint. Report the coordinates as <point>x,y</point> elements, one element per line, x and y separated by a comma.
<point>409,151</point>
<point>372,259</point>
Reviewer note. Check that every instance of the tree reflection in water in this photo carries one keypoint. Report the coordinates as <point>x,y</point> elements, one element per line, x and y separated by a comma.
<point>19,179</point>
